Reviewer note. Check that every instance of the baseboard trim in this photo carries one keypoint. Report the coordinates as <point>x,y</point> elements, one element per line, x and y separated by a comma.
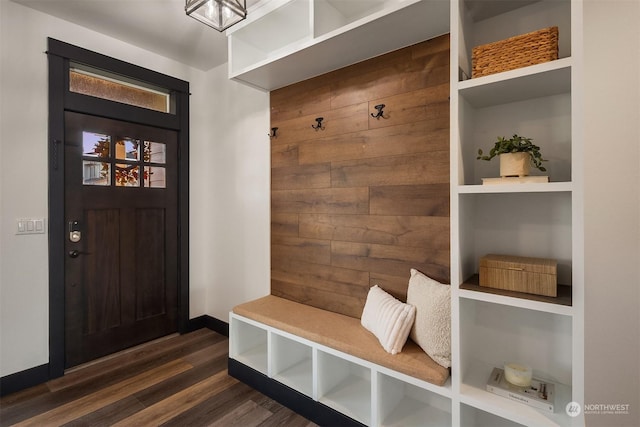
<point>292,399</point>
<point>209,322</point>
<point>24,379</point>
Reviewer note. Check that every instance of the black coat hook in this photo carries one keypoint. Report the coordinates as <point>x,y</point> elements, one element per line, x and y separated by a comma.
<point>273,133</point>
<point>380,113</point>
<point>319,124</point>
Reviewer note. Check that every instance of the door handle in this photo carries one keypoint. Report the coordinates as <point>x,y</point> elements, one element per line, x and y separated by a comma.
<point>75,253</point>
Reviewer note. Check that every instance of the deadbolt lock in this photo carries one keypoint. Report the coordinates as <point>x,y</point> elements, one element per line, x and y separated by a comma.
<point>74,231</point>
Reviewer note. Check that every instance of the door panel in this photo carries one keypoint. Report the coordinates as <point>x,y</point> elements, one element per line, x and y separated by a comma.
<point>121,276</point>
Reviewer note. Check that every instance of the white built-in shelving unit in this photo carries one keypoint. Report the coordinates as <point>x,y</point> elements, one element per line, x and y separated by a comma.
<point>539,220</point>
<point>286,41</point>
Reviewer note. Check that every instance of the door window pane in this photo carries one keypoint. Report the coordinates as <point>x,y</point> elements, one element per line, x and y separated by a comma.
<point>127,149</point>
<point>154,177</point>
<point>116,88</point>
<point>154,152</point>
<point>127,175</point>
<point>95,173</point>
<point>95,144</point>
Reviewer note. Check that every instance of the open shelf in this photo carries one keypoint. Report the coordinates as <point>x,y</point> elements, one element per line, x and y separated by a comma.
<point>549,78</point>
<point>473,392</point>
<point>292,364</point>
<point>549,187</point>
<point>344,386</point>
<point>474,417</point>
<point>501,296</point>
<point>249,346</point>
<point>404,405</point>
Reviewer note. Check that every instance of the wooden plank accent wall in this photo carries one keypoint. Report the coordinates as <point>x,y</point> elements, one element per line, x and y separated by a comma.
<point>365,200</point>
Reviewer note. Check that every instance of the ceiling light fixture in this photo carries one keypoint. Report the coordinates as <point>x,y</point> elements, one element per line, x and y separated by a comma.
<point>219,14</point>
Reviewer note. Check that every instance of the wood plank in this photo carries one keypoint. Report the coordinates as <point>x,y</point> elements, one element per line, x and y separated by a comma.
<point>311,250</point>
<point>94,401</point>
<point>249,414</point>
<point>305,98</point>
<point>284,224</point>
<point>425,168</point>
<point>109,414</point>
<point>215,407</point>
<point>284,155</point>
<point>326,300</point>
<point>395,285</point>
<point>419,137</point>
<point>174,405</point>
<point>351,118</point>
<point>393,260</point>
<point>418,231</point>
<point>340,281</point>
<point>431,200</point>
<point>438,44</point>
<point>330,200</point>
<point>296,177</point>
<point>426,104</point>
<point>368,81</point>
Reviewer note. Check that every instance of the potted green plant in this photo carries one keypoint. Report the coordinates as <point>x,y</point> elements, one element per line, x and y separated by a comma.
<point>516,154</point>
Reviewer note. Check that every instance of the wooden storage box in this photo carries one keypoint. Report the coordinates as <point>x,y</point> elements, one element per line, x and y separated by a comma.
<point>537,276</point>
<point>515,52</point>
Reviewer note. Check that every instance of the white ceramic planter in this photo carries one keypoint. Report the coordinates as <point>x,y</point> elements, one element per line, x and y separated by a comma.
<point>515,164</point>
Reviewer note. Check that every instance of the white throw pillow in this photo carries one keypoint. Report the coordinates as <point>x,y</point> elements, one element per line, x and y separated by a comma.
<point>432,327</point>
<point>388,319</point>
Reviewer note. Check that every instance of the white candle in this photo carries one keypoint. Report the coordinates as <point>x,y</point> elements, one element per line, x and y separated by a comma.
<point>518,375</point>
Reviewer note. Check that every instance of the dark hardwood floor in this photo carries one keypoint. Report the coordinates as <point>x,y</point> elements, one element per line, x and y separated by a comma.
<point>180,380</point>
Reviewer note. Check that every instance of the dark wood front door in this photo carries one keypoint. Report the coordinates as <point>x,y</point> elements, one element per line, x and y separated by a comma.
<point>121,246</point>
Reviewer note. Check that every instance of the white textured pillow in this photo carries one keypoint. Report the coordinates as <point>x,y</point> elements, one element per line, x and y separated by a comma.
<point>432,327</point>
<point>388,319</point>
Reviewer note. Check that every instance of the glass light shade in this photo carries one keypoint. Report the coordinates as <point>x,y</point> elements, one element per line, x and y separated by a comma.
<point>219,14</point>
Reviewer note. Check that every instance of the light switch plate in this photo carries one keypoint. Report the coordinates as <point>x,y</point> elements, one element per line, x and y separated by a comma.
<point>31,226</point>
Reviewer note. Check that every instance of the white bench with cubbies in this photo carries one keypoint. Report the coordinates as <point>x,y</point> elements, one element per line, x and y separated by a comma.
<point>366,392</point>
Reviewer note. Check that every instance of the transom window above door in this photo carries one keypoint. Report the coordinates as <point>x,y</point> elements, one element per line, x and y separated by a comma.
<point>122,161</point>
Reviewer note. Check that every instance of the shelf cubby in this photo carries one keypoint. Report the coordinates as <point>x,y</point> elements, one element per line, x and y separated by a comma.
<point>401,404</point>
<point>249,345</point>
<point>292,364</point>
<point>474,417</point>
<point>345,386</point>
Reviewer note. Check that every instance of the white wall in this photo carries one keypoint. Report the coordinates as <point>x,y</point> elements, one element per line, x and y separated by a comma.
<point>612,208</point>
<point>230,199</point>
<point>229,181</point>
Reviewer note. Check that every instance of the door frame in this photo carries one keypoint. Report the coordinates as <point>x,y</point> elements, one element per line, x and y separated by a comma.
<point>60,55</point>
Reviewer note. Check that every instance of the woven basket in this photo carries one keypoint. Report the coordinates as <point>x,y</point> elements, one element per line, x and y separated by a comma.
<point>515,52</point>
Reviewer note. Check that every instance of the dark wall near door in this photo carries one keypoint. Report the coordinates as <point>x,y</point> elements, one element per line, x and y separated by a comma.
<point>364,200</point>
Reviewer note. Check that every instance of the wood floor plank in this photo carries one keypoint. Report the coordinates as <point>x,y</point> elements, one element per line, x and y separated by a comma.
<point>179,402</point>
<point>92,402</point>
<point>249,414</point>
<point>214,407</point>
<point>109,414</point>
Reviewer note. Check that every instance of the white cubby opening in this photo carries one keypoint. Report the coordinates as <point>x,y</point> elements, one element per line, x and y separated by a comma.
<point>249,345</point>
<point>494,334</point>
<point>473,417</point>
<point>292,364</point>
<point>547,120</point>
<point>521,224</point>
<point>345,386</point>
<point>401,404</point>
<point>271,34</point>
<point>488,22</point>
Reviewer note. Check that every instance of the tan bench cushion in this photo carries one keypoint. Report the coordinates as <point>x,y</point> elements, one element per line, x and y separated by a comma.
<point>341,333</point>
